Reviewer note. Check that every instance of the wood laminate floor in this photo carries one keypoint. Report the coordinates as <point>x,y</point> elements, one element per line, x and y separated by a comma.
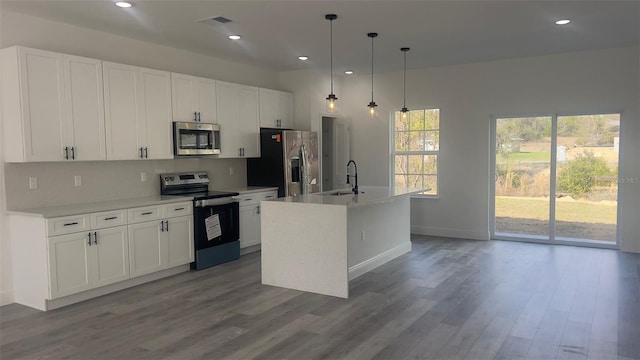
<point>447,299</point>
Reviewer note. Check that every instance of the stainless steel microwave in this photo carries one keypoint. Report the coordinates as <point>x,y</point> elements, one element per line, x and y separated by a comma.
<point>191,138</point>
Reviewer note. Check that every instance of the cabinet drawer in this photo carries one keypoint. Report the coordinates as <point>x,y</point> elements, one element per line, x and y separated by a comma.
<point>271,195</point>
<point>249,199</point>
<point>108,219</point>
<point>147,213</point>
<point>179,209</point>
<point>68,224</point>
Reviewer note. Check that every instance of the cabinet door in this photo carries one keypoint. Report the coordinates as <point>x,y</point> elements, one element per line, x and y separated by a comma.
<point>183,97</point>
<point>122,97</point>
<point>43,105</point>
<point>156,86</point>
<point>180,244</point>
<point>227,95</point>
<point>85,108</point>
<point>268,108</point>
<point>249,122</point>
<point>249,226</point>
<point>206,100</point>
<point>145,244</point>
<point>70,269</point>
<point>285,109</point>
<point>112,256</point>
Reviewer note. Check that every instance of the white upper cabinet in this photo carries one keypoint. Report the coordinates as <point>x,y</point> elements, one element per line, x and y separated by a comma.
<point>193,99</point>
<point>276,109</point>
<point>238,116</point>
<point>137,112</point>
<point>52,106</point>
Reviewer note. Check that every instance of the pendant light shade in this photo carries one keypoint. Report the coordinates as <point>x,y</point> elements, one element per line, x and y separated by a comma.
<point>404,109</point>
<point>372,105</point>
<point>331,99</point>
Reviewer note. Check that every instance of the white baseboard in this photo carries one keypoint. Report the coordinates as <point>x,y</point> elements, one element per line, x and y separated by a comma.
<point>6,297</point>
<point>454,233</point>
<point>378,260</point>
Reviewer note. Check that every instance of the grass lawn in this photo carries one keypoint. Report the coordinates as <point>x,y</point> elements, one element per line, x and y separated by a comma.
<point>567,209</point>
<point>525,157</point>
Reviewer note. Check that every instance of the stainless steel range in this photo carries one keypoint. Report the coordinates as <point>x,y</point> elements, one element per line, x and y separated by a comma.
<point>216,217</point>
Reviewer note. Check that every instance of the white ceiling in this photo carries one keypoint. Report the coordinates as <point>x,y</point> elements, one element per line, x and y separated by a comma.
<point>275,32</point>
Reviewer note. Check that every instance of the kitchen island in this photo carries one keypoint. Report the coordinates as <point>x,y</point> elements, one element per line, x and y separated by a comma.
<point>318,242</point>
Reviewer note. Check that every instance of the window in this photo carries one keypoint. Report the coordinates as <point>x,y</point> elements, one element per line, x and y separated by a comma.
<point>415,150</point>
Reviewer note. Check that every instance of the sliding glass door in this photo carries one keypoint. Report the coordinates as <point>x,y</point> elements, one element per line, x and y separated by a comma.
<point>523,165</point>
<point>556,178</point>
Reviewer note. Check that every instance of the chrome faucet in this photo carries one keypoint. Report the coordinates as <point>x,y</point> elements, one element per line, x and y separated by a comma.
<point>355,188</point>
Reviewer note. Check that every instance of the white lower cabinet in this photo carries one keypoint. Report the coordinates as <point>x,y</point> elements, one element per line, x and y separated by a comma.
<point>145,248</point>
<point>161,244</point>
<point>69,264</point>
<point>180,241</point>
<point>82,261</point>
<point>250,216</point>
<point>61,260</point>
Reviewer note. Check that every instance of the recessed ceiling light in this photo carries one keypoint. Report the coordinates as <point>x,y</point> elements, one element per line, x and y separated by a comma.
<point>349,72</point>
<point>563,22</point>
<point>124,4</point>
<point>303,58</point>
<point>234,37</point>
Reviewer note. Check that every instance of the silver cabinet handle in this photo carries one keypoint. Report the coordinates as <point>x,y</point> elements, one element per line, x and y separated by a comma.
<point>195,116</point>
<point>73,153</point>
<point>166,225</point>
<point>178,209</point>
<point>162,225</point>
<point>147,213</point>
<point>89,242</point>
<point>73,223</point>
<point>141,154</point>
<point>258,209</point>
<point>111,218</point>
<point>95,238</point>
<point>199,119</point>
<point>146,153</point>
<point>66,152</point>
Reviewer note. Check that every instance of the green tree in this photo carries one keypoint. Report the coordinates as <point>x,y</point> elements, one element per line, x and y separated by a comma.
<point>578,177</point>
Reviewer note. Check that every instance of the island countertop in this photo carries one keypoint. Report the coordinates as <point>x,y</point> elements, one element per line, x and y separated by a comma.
<point>367,195</point>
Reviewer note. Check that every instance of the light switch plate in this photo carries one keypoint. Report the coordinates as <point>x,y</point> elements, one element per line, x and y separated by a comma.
<point>33,183</point>
<point>77,180</point>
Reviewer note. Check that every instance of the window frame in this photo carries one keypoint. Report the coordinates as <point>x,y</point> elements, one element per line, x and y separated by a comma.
<point>436,153</point>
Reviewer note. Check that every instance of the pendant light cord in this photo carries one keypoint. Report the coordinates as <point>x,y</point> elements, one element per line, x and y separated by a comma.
<point>372,69</point>
<point>404,82</point>
<point>331,45</point>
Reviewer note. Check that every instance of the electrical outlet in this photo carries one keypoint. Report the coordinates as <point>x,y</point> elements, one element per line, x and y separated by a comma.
<point>230,171</point>
<point>77,181</point>
<point>143,176</point>
<point>33,183</point>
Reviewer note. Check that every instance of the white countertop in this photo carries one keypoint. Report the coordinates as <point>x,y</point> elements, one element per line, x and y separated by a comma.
<point>86,208</point>
<point>367,195</point>
<point>251,189</point>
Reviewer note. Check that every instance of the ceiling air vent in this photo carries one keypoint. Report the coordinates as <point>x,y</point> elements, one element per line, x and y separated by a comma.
<point>215,20</point>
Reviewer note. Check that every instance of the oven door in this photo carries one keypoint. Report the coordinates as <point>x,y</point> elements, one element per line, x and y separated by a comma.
<point>227,211</point>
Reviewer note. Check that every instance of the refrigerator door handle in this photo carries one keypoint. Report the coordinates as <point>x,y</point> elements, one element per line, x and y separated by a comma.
<point>304,175</point>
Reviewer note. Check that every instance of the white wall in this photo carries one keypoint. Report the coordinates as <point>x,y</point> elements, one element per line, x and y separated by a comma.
<point>105,180</point>
<point>468,95</point>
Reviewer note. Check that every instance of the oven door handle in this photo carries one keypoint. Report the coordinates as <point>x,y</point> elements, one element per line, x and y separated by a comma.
<point>215,202</point>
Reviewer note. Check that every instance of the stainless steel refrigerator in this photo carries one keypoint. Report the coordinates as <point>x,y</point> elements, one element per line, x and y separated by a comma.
<point>288,159</point>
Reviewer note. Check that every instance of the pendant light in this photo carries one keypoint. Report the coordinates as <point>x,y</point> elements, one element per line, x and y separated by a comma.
<point>404,109</point>
<point>331,99</point>
<point>372,105</point>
